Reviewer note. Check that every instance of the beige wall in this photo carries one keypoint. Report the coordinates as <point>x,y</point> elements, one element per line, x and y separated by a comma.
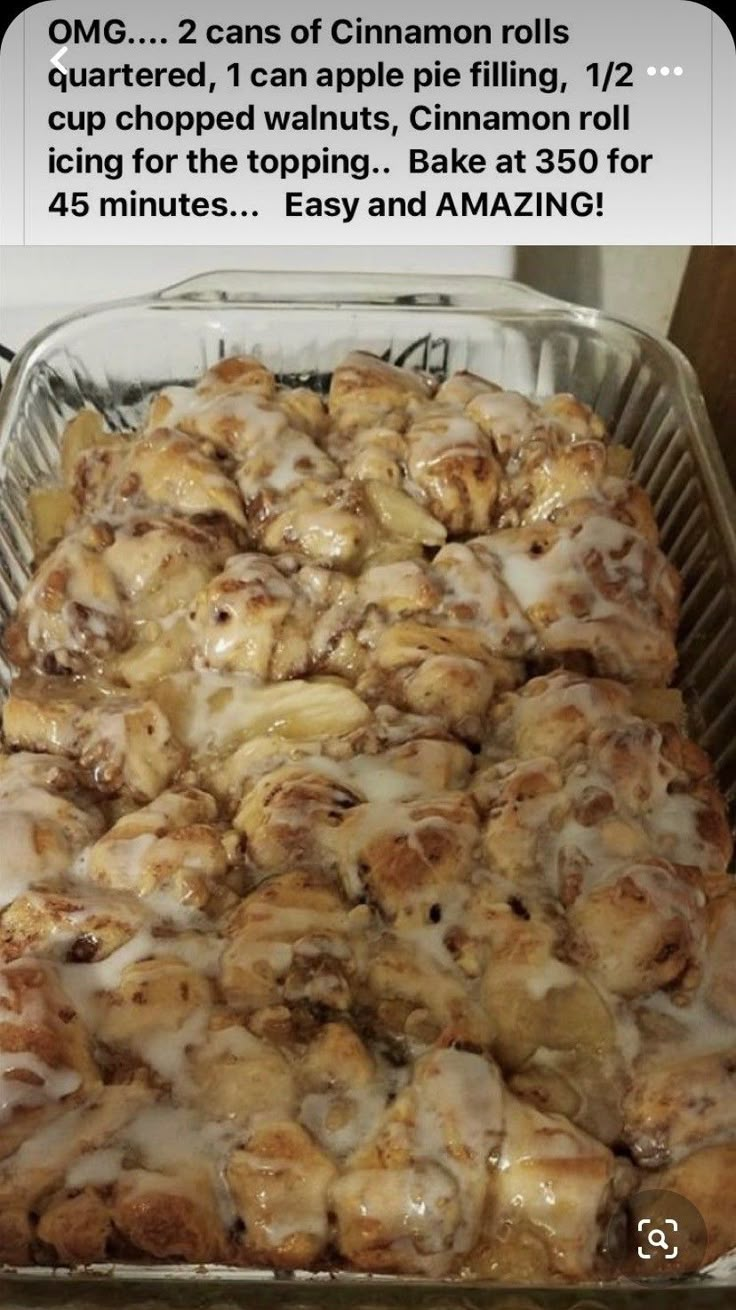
<point>41,283</point>
<point>636,282</point>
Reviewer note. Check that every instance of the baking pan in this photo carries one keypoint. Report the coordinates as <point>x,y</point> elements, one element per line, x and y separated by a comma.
<point>114,357</point>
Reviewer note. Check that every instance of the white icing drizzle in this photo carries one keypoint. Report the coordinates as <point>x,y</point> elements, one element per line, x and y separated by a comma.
<point>85,984</point>
<point>341,1118</point>
<point>165,1050</point>
<point>96,1168</point>
<point>241,416</point>
<point>45,1084</point>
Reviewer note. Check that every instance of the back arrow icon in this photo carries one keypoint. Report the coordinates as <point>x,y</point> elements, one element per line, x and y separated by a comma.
<point>56,59</point>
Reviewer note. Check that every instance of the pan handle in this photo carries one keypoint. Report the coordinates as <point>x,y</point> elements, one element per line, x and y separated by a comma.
<point>208,288</point>
<point>293,288</point>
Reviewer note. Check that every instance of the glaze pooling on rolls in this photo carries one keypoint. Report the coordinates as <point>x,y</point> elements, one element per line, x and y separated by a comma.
<point>363,901</point>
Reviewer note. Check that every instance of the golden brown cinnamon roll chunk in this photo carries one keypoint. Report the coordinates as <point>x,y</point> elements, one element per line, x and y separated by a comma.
<point>91,591</point>
<point>235,1076</point>
<point>45,1056</point>
<point>365,391</point>
<point>172,847</point>
<point>453,465</point>
<point>46,819</point>
<point>639,929</point>
<point>411,1200</point>
<point>280,1180</point>
<point>72,926</point>
<point>552,1192</point>
<point>233,401</point>
<point>166,470</point>
<point>67,1149</point>
<point>122,744</point>
<point>290,941</point>
<point>680,1101</point>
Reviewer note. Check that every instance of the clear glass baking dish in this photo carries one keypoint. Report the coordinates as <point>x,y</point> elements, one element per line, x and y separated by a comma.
<point>115,356</point>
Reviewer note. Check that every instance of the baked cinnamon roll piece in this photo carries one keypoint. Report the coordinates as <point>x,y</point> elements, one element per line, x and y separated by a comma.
<point>46,820</point>
<point>70,925</point>
<point>415,997</point>
<point>552,479</point>
<point>452,465</point>
<point>680,1099</point>
<point>33,1174</point>
<point>407,857</point>
<point>131,1175</point>
<point>411,1200</point>
<point>280,1182</point>
<point>292,941</point>
<point>253,619</point>
<point>345,1086</point>
<point>232,403</point>
<point>174,848</point>
<point>640,929</point>
<point>459,388</point>
<point>122,745</point>
<point>232,1075</point>
<point>166,471</point>
<point>86,599</point>
<point>557,463</point>
<point>46,1061</point>
<point>508,418</point>
<point>290,817</point>
<point>552,1193</point>
<point>366,392</point>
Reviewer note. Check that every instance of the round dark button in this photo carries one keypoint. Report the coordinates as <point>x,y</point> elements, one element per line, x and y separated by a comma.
<point>659,1234</point>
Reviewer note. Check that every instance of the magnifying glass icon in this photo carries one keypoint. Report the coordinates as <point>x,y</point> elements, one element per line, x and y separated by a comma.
<point>656,1237</point>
